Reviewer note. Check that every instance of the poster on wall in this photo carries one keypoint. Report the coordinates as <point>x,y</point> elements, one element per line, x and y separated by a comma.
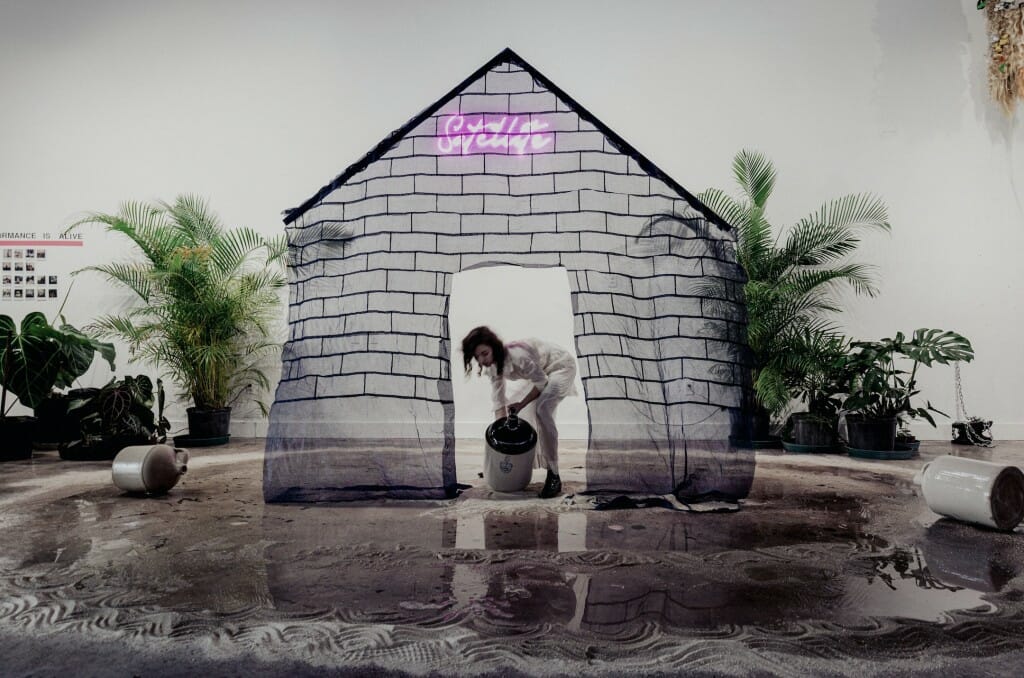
<point>36,267</point>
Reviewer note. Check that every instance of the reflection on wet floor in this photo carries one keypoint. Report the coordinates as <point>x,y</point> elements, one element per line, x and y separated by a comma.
<point>406,564</point>
<point>490,564</point>
<point>808,557</point>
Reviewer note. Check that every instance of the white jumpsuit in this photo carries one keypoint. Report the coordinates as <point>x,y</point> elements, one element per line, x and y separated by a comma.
<point>549,368</point>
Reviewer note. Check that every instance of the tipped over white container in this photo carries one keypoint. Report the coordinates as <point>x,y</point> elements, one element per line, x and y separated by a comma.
<point>974,491</point>
<point>149,469</point>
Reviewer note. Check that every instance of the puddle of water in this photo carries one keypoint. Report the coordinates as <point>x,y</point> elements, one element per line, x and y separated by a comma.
<point>622,569</point>
<point>903,585</point>
<point>600,572</point>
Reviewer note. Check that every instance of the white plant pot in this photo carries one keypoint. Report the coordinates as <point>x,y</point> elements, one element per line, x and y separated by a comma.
<point>974,491</point>
<point>149,469</point>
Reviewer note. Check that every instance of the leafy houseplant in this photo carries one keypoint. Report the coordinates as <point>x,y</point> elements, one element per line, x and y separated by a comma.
<point>817,378</point>
<point>35,358</point>
<point>207,297</point>
<point>791,277</point>
<point>879,391</point>
<point>118,415</point>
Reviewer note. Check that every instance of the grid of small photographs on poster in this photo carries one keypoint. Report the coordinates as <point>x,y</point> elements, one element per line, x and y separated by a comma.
<point>25,275</point>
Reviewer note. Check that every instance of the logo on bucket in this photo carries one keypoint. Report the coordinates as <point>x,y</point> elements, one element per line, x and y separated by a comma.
<point>506,465</point>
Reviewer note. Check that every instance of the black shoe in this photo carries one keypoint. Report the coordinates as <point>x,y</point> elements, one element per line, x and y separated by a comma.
<point>552,486</point>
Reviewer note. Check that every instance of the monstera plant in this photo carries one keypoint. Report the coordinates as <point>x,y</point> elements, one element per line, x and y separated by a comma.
<point>36,358</point>
<point>881,388</point>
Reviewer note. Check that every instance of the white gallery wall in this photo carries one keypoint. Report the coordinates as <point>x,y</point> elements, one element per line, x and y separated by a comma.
<point>256,105</point>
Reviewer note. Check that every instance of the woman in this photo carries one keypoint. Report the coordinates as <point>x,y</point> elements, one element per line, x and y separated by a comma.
<point>551,371</point>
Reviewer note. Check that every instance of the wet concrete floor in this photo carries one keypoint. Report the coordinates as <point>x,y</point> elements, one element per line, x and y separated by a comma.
<point>832,566</point>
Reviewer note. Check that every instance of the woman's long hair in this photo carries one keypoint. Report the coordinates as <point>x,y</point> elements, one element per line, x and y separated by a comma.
<point>479,336</point>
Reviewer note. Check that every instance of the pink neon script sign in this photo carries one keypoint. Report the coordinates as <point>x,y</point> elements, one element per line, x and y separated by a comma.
<point>467,135</point>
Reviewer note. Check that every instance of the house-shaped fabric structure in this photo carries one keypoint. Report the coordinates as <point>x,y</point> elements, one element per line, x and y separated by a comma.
<point>506,169</point>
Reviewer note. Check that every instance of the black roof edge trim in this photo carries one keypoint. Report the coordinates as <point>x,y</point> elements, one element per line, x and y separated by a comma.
<point>507,56</point>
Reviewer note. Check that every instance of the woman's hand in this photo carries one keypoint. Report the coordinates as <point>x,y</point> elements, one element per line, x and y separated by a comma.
<point>530,397</point>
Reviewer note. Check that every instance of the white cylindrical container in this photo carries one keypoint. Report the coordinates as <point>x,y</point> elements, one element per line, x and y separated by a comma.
<point>975,491</point>
<point>150,469</point>
<point>508,454</point>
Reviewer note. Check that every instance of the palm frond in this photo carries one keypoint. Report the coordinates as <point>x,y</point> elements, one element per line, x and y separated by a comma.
<point>857,276</point>
<point>145,225</point>
<point>771,388</point>
<point>756,176</point>
<point>231,250</point>
<point>193,220</point>
<point>277,248</point>
<point>133,276</point>
<point>733,211</point>
<point>855,211</point>
<point>816,244</point>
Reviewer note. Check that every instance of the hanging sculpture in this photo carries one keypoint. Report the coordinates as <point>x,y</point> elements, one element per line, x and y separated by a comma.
<point>1006,50</point>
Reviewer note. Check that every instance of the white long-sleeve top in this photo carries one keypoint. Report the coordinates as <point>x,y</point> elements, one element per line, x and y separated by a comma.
<point>550,368</point>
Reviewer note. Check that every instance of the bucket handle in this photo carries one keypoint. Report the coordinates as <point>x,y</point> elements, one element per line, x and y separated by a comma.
<point>512,421</point>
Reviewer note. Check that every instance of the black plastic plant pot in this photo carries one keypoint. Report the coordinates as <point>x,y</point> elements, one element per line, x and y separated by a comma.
<point>50,415</point>
<point>813,431</point>
<point>752,430</point>
<point>55,424</point>
<point>208,424</point>
<point>16,435</point>
<point>868,433</point>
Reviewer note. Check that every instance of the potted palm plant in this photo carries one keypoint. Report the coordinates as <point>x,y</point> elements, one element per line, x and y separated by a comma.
<point>880,391</point>
<point>35,358</point>
<point>792,277</point>
<point>207,297</point>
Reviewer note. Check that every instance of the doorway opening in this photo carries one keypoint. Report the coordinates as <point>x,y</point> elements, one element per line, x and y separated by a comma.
<point>516,303</point>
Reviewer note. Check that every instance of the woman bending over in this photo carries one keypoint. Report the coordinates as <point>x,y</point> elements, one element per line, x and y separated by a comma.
<point>551,373</point>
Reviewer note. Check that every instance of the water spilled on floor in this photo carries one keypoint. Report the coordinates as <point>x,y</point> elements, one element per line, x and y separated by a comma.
<point>811,565</point>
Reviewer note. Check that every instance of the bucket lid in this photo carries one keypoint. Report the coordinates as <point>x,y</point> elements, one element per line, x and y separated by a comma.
<point>1007,498</point>
<point>511,435</point>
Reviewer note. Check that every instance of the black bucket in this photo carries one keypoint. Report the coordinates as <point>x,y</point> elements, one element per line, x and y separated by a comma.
<point>871,434</point>
<point>511,435</point>
<point>813,431</point>
<point>16,435</point>
<point>205,424</point>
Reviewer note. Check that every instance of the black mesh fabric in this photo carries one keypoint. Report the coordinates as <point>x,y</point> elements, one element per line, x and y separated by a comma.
<point>507,169</point>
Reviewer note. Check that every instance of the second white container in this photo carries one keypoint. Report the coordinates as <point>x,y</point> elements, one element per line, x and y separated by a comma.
<point>974,491</point>
<point>150,469</point>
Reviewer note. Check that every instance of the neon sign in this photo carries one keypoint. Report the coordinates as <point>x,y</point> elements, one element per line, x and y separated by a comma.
<point>506,134</point>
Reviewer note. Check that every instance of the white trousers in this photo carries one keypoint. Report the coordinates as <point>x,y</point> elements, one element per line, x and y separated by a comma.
<point>541,415</point>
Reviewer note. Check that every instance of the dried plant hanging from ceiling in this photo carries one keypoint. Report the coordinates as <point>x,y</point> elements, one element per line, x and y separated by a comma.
<point>1006,50</point>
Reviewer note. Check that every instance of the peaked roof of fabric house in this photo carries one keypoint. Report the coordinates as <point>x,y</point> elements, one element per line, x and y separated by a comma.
<point>506,56</point>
